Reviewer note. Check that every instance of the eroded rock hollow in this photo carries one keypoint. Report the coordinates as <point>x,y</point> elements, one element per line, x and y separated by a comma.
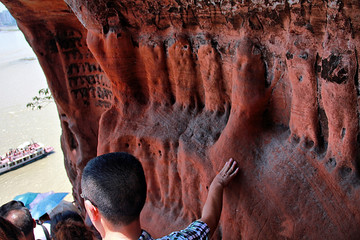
<point>185,85</point>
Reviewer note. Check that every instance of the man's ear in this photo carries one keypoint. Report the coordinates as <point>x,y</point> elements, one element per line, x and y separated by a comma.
<point>92,211</point>
<point>95,217</point>
<point>34,223</point>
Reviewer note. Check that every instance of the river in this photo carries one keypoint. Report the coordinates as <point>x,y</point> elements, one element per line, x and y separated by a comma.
<point>21,77</point>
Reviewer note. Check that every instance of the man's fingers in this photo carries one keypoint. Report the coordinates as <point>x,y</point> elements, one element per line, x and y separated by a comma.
<point>232,167</point>
<point>234,173</point>
<point>229,170</point>
<point>226,166</point>
<point>228,162</point>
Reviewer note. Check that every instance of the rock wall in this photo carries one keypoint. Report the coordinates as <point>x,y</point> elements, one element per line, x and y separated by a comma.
<point>184,85</point>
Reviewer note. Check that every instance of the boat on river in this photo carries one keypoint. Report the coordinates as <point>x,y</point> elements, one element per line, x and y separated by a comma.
<point>25,153</point>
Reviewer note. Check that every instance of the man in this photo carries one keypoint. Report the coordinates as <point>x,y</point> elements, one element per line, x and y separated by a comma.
<point>16,213</point>
<point>114,190</point>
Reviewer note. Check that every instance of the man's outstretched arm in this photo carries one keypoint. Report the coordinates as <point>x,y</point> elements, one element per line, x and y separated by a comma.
<point>212,209</point>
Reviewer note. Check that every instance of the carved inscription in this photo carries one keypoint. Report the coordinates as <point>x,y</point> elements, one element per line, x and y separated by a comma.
<point>87,82</point>
<point>78,68</point>
<point>89,79</point>
<point>98,92</point>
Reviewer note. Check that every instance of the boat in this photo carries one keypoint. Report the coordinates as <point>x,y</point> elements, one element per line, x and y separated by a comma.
<point>22,155</point>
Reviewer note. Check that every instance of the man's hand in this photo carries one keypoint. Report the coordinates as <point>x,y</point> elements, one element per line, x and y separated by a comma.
<point>227,173</point>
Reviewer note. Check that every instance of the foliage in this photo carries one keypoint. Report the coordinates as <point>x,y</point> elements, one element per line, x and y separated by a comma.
<point>40,101</point>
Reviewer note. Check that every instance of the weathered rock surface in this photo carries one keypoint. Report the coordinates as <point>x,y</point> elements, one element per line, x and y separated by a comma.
<point>184,85</point>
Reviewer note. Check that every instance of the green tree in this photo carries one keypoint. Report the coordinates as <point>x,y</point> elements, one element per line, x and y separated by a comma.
<point>40,101</point>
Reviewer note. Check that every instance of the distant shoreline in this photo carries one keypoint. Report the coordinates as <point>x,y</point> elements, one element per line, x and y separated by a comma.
<point>9,28</point>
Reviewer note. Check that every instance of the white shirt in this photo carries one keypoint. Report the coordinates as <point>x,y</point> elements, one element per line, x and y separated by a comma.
<point>39,231</point>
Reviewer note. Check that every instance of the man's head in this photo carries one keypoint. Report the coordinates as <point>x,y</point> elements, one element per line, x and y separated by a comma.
<point>114,183</point>
<point>5,208</point>
<point>20,216</point>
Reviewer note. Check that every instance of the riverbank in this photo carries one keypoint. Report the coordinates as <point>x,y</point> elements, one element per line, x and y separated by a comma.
<point>20,79</point>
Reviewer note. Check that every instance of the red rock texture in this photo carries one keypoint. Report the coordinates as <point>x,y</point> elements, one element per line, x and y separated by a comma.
<point>184,85</point>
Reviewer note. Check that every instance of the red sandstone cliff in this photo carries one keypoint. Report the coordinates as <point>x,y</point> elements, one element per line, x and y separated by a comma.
<point>184,85</point>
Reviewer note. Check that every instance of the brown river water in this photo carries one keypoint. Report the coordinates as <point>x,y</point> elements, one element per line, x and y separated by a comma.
<point>20,79</point>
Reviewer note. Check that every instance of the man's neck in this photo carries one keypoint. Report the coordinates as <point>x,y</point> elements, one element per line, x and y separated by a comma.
<point>128,232</point>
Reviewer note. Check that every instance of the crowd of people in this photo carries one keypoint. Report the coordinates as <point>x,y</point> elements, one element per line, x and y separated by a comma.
<point>114,190</point>
<point>16,223</point>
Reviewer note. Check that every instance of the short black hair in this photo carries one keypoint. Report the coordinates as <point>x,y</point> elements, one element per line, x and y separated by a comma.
<point>23,221</point>
<point>115,183</point>
<point>5,208</point>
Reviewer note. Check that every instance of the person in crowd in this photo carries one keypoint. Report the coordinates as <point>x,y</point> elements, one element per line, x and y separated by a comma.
<point>69,225</point>
<point>114,190</point>
<point>20,216</point>
<point>42,229</point>
<point>9,232</point>
<point>16,213</point>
